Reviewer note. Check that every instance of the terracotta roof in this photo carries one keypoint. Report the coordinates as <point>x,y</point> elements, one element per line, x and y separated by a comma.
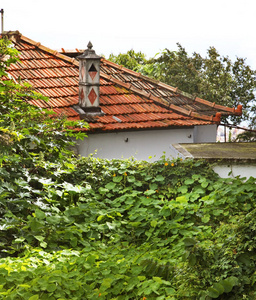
<point>128,99</point>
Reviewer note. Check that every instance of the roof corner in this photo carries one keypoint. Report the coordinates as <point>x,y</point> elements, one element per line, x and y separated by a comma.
<point>14,36</point>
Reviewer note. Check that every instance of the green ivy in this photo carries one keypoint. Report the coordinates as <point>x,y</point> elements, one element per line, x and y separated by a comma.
<point>133,229</point>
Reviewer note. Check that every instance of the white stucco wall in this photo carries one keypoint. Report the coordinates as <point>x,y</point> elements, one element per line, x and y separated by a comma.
<point>143,144</point>
<point>226,171</point>
<point>205,134</point>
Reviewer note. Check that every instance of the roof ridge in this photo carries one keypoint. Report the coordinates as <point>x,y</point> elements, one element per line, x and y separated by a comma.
<point>134,89</point>
<point>193,114</point>
<point>165,86</point>
<point>136,74</point>
<point>44,48</point>
<point>237,111</point>
<point>162,101</point>
<point>169,87</point>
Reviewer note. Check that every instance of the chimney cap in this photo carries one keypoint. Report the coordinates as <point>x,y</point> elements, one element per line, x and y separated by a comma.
<point>90,45</point>
<point>89,53</point>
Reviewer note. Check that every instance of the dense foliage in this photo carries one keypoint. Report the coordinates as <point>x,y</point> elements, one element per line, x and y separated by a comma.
<point>125,229</point>
<point>214,77</point>
<point>86,228</point>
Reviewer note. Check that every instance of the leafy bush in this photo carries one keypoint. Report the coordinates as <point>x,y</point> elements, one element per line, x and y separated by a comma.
<point>34,147</point>
<point>125,229</point>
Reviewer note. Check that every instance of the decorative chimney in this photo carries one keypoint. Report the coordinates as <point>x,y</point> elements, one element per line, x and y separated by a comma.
<point>89,81</point>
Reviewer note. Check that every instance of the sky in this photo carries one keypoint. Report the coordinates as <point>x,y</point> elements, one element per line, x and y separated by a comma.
<point>116,26</point>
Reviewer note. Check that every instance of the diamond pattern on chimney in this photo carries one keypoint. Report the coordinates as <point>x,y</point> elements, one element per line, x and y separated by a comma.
<point>92,71</point>
<point>92,96</point>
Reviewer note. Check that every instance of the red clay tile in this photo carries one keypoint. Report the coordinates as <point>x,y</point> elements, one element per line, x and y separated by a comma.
<point>137,101</point>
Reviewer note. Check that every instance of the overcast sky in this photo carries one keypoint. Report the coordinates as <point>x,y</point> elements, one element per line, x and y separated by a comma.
<point>116,26</point>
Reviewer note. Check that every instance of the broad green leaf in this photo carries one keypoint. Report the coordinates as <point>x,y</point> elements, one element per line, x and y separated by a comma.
<point>189,181</point>
<point>146,200</point>
<point>217,212</point>
<point>199,191</point>
<point>135,224</point>
<point>26,286</point>
<point>73,241</point>
<point>153,223</point>
<point>73,211</point>
<point>100,218</point>
<point>35,225</point>
<point>170,291</point>
<point>91,258</point>
<point>131,179</point>
<point>234,280</point>
<point>161,297</point>
<point>35,297</point>
<point>219,287</point>
<point>183,189</point>
<point>244,259</point>
<point>205,219</point>
<point>70,252</point>
<point>53,219</point>
<point>195,176</point>
<point>111,226</point>
<point>117,179</point>
<point>204,184</point>
<point>182,199</point>
<point>192,259</point>
<point>228,286</point>
<point>45,181</point>
<point>39,238</point>
<point>68,187</point>
<point>106,284</point>
<point>138,183</point>
<point>51,287</point>
<point>153,186</point>
<point>141,278</point>
<point>19,240</point>
<point>213,293</point>
<point>189,242</point>
<point>158,279</point>
<point>159,178</point>
<point>110,185</point>
<point>149,192</point>
<point>103,191</point>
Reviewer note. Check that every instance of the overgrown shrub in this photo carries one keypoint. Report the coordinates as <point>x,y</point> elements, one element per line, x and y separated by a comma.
<point>126,229</point>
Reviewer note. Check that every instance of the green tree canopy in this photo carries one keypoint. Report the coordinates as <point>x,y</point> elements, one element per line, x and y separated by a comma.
<point>131,60</point>
<point>215,78</point>
<point>25,127</point>
<point>33,144</point>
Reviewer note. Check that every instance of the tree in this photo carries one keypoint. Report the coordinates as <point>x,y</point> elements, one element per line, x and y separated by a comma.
<point>33,145</point>
<point>131,60</point>
<point>214,77</point>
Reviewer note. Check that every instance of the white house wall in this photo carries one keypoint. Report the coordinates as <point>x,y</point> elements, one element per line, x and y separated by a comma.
<point>205,134</point>
<point>234,170</point>
<point>141,144</point>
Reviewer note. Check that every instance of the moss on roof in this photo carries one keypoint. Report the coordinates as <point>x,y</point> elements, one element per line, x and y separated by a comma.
<point>219,151</point>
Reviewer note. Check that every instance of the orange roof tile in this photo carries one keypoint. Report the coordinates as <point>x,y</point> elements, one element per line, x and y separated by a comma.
<point>128,99</point>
